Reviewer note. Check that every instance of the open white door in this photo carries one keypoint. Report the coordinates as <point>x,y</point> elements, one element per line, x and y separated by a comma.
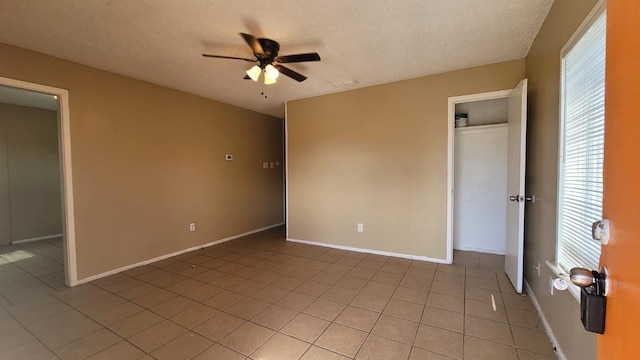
<point>516,158</point>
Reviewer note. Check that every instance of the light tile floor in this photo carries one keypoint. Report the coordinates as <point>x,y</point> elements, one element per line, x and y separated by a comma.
<point>261,297</point>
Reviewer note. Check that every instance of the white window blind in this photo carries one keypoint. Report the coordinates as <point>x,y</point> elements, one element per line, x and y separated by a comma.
<point>581,146</point>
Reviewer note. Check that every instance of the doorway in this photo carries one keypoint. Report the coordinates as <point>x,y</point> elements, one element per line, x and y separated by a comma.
<point>485,166</point>
<point>62,129</point>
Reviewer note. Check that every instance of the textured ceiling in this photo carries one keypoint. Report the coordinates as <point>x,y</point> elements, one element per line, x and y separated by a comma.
<point>362,43</point>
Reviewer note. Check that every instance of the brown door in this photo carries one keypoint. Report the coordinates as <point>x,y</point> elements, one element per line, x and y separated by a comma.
<point>621,198</point>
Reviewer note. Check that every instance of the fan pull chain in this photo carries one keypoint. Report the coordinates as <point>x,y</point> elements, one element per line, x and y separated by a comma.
<point>264,90</point>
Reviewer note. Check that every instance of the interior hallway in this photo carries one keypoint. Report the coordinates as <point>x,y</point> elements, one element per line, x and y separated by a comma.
<point>260,297</point>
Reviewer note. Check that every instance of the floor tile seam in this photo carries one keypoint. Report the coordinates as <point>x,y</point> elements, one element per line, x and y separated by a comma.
<point>443,293</point>
<point>329,350</point>
<point>370,332</point>
<point>53,350</point>
<point>82,337</point>
<point>433,352</point>
<point>48,316</point>
<point>165,288</point>
<point>39,279</point>
<point>36,264</point>
<point>146,309</point>
<point>481,277</point>
<point>513,344</point>
<point>72,308</point>
<point>484,288</point>
<point>541,331</point>
<point>210,346</point>
<point>259,346</point>
<point>35,308</point>
<point>163,344</point>
<point>532,310</point>
<point>139,348</point>
<point>516,347</point>
<point>464,309</point>
<point>41,254</point>
<point>345,308</point>
<point>444,355</point>
<point>400,317</point>
<point>326,348</point>
<point>34,336</point>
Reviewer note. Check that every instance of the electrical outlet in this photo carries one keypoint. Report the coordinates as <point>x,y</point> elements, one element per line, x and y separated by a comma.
<point>360,227</point>
<point>228,157</point>
<point>265,165</point>
<point>192,227</point>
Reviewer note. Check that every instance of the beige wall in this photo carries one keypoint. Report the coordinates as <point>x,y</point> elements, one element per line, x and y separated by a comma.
<point>34,171</point>
<point>378,156</point>
<point>543,70</point>
<point>148,160</point>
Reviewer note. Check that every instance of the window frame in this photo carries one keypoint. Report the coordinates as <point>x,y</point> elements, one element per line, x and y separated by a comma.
<point>598,10</point>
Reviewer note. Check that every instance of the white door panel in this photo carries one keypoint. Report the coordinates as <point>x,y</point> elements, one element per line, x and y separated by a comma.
<point>517,143</point>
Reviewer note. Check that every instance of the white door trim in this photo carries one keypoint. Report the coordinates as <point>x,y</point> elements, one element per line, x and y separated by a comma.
<point>69,243</point>
<point>286,171</point>
<point>500,94</point>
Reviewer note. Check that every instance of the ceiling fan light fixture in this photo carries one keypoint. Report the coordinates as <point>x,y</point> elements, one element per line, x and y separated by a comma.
<point>254,72</point>
<point>270,74</point>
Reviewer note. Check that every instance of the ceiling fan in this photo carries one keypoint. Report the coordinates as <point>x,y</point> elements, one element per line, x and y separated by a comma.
<point>268,62</point>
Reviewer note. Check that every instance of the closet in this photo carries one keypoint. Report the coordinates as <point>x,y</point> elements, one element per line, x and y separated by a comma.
<point>480,177</point>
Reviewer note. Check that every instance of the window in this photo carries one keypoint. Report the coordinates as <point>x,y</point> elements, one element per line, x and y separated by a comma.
<point>581,144</point>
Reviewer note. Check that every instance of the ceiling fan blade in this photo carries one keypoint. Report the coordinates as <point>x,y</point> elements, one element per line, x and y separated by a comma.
<point>290,73</point>
<point>298,58</point>
<point>228,57</point>
<point>253,43</point>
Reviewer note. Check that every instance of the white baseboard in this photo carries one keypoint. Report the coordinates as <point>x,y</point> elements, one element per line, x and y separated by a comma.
<point>370,251</point>
<point>146,262</point>
<point>553,338</point>
<point>474,249</point>
<point>36,239</point>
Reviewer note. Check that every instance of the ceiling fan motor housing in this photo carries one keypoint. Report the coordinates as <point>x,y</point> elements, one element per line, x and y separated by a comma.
<point>270,50</point>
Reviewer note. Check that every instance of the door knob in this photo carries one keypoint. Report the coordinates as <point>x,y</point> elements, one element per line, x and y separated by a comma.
<point>586,278</point>
<point>519,198</point>
<point>582,277</point>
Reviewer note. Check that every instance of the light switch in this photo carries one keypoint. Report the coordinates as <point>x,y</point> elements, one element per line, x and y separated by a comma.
<point>272,164</point>
<point>265,165</point>
<point>228,157</point>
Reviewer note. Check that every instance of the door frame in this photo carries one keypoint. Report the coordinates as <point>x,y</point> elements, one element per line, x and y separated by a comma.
<point>64,146</point>
<point>453,100</point>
